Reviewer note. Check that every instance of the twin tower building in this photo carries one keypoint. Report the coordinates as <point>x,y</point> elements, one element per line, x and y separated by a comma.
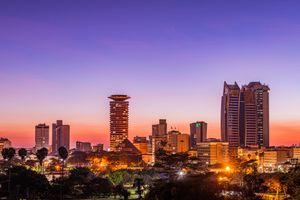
<point>245,115</point>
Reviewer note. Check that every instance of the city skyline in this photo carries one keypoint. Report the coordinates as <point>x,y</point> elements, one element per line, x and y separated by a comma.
<point>55,64</point>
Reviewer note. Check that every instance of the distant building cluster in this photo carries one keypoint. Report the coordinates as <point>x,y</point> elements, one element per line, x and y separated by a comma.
<point>244,125</point>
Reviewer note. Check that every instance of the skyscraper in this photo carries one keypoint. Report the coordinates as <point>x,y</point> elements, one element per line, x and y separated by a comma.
<point>60,136</point>
<point>198,133</point>
<point>245,115</point>
<point>230,114</point>
<point>118,120</point>
<point>256,114</point>
<point>41,136</point>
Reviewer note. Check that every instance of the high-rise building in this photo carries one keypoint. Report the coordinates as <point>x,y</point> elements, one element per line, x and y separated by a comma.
<point>118,120</point>
<point>41,136</point>
<point>198,133</point>
<point>160,129</point>
<point>83,146</point>
<point>245,115</point>
<point>256,114</point>
<point>213,152</point>
<point>230,114</point>
<point>60,136</point>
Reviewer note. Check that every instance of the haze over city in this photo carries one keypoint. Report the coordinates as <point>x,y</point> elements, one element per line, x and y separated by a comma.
<point>62,63</point>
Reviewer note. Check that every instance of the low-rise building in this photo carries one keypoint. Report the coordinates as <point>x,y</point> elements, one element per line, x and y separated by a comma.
<point>83,146</point>
<point>213,152</point>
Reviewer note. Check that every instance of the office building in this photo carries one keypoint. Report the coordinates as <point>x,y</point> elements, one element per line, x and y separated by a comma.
<point>245,115</point>
<point>41,136</point>
<point>118,120</point>
<point>160,128</point>
<point>183,143</point>
<point>230,108</point>
<point>256,114</point>
<point>83,146</point>
<point>198,133</point>
<point>213,152</point>
<point>98,148</point>
<point>60,136</point>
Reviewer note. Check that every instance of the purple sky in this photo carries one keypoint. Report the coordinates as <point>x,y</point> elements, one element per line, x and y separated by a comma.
<point>61,59</point>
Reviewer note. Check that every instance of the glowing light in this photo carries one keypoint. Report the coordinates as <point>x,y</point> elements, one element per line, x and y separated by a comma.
<point>227,168</point>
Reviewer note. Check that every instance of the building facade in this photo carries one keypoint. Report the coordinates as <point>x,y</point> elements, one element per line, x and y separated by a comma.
<point>141,143</point>
<point>213,152</point>
<point>245,115</point>
<point>198,133</point>
<point>160,128</point>
<point>41,136</point>
<point>119,117</point>
<point>83,146</point>
<point>230,112</point>
<point>183,143</point>
<point>60,136</point>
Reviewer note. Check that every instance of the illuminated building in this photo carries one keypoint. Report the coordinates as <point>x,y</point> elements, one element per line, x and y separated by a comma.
<point>160,129</point>
<point>83,146</point>
<point>198,133</point>
<point>141,143</point>
<point>245,115</point>
<point>118,120</point>
<point>296,153</point>
<point>177,142</point>
<point>255,114</point>
<point>183,141</point>
<point>230,109</point>
<point>98,148</point>
<point>158,139</point>
<point>41,136</point>
<point>60,136</point>
<point>213,152</point>
<point>172,141</point>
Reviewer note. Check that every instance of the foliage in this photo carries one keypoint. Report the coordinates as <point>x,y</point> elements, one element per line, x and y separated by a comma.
<point>24,184</point>
<point>63,153</point>
<point>22,153</point>
<point>189,188</point>
<point>8,153</point>
<point>41,154</point>
<point>117,177</point>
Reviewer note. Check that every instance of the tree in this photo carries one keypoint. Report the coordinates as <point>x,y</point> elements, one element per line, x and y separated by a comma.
<point>63,153</point>
<point>25,184</point>
<point>5,153</point>
<point>117,177</point>
<point>22,153</point>
<point>138,183</point>
<point>41,154</point>
<point>189,188</point>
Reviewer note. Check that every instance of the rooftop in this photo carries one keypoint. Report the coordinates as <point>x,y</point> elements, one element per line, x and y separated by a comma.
<point>119,97</point>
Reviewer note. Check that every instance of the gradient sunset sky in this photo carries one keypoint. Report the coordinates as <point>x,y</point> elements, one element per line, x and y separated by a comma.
<point>62,59</point>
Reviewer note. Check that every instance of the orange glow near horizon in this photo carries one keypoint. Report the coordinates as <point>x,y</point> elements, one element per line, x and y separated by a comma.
<point>281,133</point>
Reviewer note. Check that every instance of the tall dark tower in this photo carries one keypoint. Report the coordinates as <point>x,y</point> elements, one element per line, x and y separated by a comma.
<point>230,114</point>
<point>118,120</point>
